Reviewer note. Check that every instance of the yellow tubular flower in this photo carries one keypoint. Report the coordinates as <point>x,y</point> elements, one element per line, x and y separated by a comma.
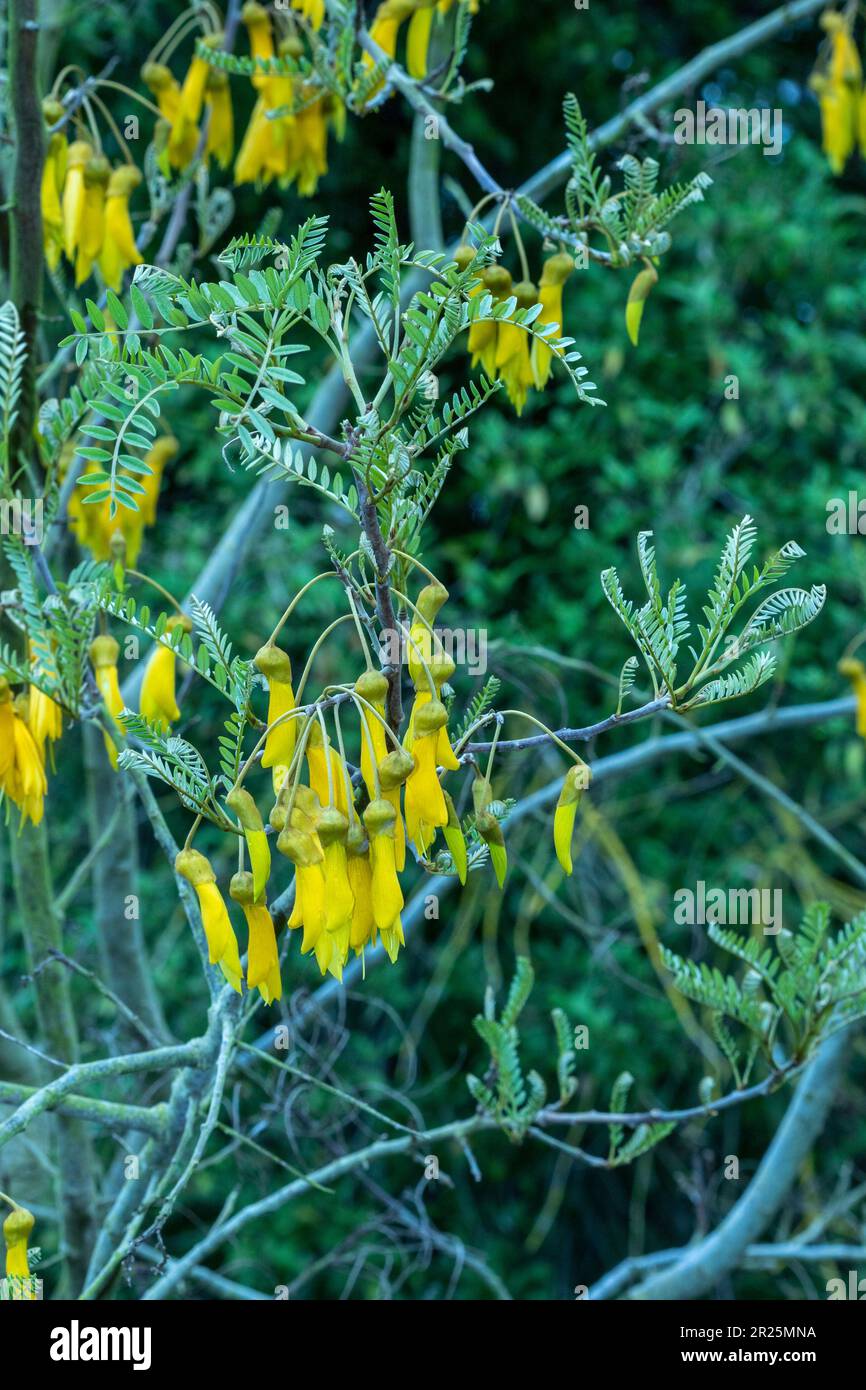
<point>279,747</point>
<point>44,719</point>
<point>856,673</point>
<point>52,187</point>
<point>104,652</point>
<point>96,175</point>
<point>372,686</point>
<point>554,273</point>
<point>247,812</point>
<point>184,131</point>
<point>251,165</point>
<point>387,898</point>
<point>312,10</point>
<point>158,702</point>
<point>74,196</point>
<point>221,125</point>
<point>23,775</point>
<point>339,900</point>
<point>393,771</point>
<point>119,250</point>
<point>418,38</point>
<point>221,940</point>
<point>512,350</point>
<point>361,885</point>
<point>16,1231</point>
<point>258,25</point>
<point>386,26</point>
<point>164,86</point>
<point>574,783</point>
<point>263,959</point>
<point>425,803</point>
<point>318,769</point>
<point>308,859</point>
<point>496,281</point>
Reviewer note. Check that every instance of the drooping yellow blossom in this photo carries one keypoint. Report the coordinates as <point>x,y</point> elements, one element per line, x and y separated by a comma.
<point>74,190</point>
<point>361,885</point>
<point>333,831</point>
<point>97,172</point>
<point>393,772</point>
<point>164,86</point>
<point>856,673</point>
<point>309,911</point>
<point>512,349</point>
<point>418,38</point>
<point>44,719</point>
<point>386,26</point>
<point>163,449</point>
<point>221,940</point>
<point>329,790</point>
<point>312,10</point>
<point>425,803</point>
<point>279,748</point>
<point>495,281</point>
<point>92,523</point>
<point>53,176</point>
<point>119,250</point>
<point>573,787</point>
<point>185,131</point>
<point>837,83</point>
<point>16,1233</point>
<point>263,959</point>
<point>247,812</point>
<point>22,774</point>
<point>554,273</point>
<point>386,894</point>
<point>221,123</point>
<point>104,652</point>
<point>158,700</point>
<point>372,686</point>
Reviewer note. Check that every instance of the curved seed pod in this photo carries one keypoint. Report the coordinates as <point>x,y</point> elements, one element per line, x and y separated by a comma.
<point>574,783</point>
<point>490,830</point>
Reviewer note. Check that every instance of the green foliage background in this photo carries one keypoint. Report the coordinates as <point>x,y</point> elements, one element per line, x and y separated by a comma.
<point>766,280</point>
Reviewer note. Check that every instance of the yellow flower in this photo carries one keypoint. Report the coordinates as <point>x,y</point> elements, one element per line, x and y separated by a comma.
<point>258,25</point>
<point>16,1231</point>
<point>574,783</point>
<point>280,743</point>
<point>386,895</point>
<point>184,131</point>
<point>104,652</point>
<point>312,10</point>
<point>318,770</point>
<point>418,38</point>
<point>837,85</point>
<point>361,885</point>
<point>637,297</point>
<point>221,126</point>
<point>512,349</point>
<point>333,830</point>
<point>22,774</point>
<point>247,812</point>
<point>372,686</point>
<point>158,701</point>
<point>393,771</point>
<point>309,912</point>
<point>158,455</point>
<point>119,250</point>
<point>221,940</point>
<point>96,175</point>
<point>496,281</point>
<point>386,26</point>
<point>44,719</point>
<point>263,959</point>
<point>454,839</point>
<point>53,175</point>
<point>74,192</point>
<point>554,273</point>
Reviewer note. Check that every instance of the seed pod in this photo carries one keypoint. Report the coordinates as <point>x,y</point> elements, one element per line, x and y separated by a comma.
<point>574,782</point>
<point>482,794</point>
<point>637,297</point>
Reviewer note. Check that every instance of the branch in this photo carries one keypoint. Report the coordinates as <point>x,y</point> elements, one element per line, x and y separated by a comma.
<point>146,1119</point>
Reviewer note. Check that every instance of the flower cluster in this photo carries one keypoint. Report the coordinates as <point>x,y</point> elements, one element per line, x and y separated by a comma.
<point>505,350</point>
<point>287,136</point>
<point>29,723</point>
<point>391,15</point>
<point>85,205</point>
<point>838,82</point>
<point>89,510</point>
<point>346,827</point>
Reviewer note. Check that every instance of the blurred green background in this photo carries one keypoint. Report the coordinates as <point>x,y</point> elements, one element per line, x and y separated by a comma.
<point>766,280</point>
